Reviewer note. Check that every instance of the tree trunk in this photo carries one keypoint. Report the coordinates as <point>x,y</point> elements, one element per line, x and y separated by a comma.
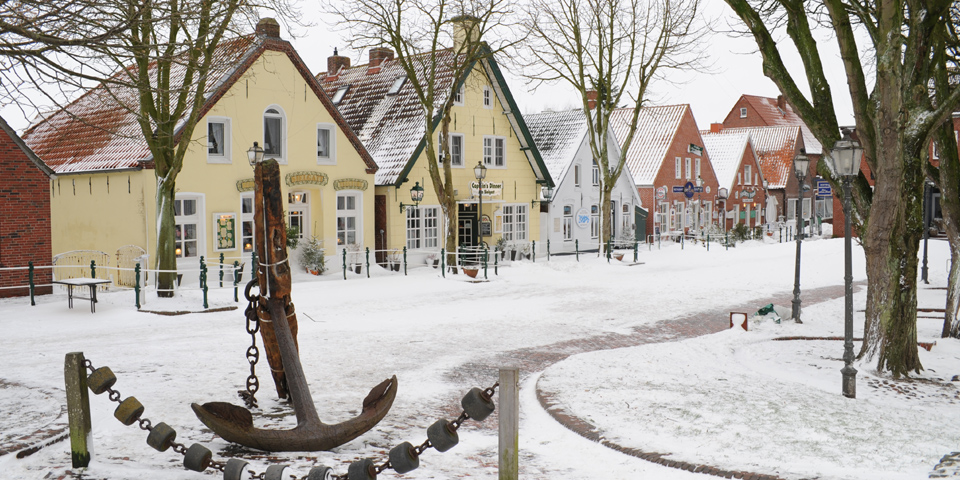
<point>605,217</point>
<point>950,206</point>
<point>166,239</point>
<point>893,233</point>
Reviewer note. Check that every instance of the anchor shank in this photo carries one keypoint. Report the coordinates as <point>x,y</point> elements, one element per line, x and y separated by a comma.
<point>296,381</point>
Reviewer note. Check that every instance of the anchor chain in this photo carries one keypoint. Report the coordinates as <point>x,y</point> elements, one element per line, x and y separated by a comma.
<point>253,353</point>
<point>146,425</point>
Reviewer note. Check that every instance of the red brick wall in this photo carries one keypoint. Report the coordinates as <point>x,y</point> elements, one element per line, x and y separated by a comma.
<point>687,134</point>
<point>24,219</point>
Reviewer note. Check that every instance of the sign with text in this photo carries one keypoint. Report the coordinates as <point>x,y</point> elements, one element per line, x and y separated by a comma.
<point>490,189</point>
<point>823,188</point>
<point>583,218</point>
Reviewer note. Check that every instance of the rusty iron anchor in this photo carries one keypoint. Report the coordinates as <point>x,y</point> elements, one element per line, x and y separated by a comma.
<point>234,423</point>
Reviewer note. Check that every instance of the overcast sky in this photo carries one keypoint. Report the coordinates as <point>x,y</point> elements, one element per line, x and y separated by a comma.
<point>736,70</point>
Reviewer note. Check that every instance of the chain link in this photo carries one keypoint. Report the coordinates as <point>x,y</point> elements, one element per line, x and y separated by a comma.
<point>253,353</point>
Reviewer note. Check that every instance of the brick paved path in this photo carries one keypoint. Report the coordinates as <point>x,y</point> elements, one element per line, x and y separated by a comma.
<point>537,359</point>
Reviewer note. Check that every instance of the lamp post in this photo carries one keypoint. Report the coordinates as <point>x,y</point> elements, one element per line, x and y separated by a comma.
<point>800,165</point>
<point>846,162</point>
<point>927,189</point>
<point>722,195</point>
<point>480,172</point>
<point>763,205</point>
<point>699,204</point>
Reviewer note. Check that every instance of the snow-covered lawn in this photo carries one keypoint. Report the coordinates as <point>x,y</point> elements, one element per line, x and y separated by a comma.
<point>734,399</point>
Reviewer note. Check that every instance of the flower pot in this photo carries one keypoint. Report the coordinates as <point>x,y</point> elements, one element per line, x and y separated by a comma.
<point>357,268</point>
<point>513,255</point>
<point>618,256</point>
<point>395,267</point>
<point>315,272</point>
<point>471,271</point>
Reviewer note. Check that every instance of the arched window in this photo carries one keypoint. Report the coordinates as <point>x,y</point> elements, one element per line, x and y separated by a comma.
<point>274,133</point>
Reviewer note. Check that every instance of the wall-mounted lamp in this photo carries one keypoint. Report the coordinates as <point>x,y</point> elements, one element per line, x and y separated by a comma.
<point>416,195</point>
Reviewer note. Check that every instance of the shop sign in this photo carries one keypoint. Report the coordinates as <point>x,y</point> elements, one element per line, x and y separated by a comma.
<point>490,189</point>
<point>350,184</point>
<point>583,218</point>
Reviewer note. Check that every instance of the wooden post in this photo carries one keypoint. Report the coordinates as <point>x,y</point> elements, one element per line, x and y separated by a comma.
<point>78,408</point>
<point>509,423</point>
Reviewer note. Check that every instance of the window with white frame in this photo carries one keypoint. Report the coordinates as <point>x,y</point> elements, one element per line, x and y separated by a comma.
<point>298,213</point>
<point>515,222</point>
<point>494,151</point>
<point>576,175</point>
<point>743,112</point>
<point>626,217</point>
<point>348,219</point>
<point>340,93</point>
<point>739,179</point>
<point>487,97</point>
<point>594,221</point>
<point>274,133</point>
<point>696,171</point>
<point>186,226</point>
<point>397,85</point>
<point>747,174</point>
<point>218,140</point>
<point>595,173</point>
<point>456,149</point>
<point>568,223</point>
<point>686,164</point>
<point>326,144</point>
<point>247,240</point>
<point>423,227</point>
<point>458,97</point>
<point>936,150</point>
<point>679,169</point>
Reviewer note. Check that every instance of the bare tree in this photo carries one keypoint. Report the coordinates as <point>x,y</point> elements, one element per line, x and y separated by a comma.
<point>151,59</point>
<point>437,43</point>
<point>613,49</point>
<point>895,121</point>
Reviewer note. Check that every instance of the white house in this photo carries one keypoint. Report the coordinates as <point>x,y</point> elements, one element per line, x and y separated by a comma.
<point>573,219</point>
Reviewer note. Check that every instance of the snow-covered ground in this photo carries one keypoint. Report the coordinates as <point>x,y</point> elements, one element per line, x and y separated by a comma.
<point>736,400</point>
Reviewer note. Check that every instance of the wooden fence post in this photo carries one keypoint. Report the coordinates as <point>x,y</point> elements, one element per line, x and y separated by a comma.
<point>509,423</point>
<point>78,408</point>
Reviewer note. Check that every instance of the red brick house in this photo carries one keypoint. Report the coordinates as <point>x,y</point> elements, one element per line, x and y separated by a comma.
<point>667,160</point>
<point>25,206</point>
<point>756,111</point>
<point>738,171</point>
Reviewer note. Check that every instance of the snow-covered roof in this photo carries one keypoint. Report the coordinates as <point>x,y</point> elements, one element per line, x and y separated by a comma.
<point>391,126</point>
<point>558,136</point>
<point>774,116</point>
<point>726,150</point>
<point>99,130</point>
<point>656,128</point>
<point>775,148</point>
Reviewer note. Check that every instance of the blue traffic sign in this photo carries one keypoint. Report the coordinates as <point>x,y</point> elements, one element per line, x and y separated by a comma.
<point>823,189</point>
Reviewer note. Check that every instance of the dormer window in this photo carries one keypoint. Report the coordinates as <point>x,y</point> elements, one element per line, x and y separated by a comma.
<point>338,96</point>
<point>397,84</point>
<point>743,112</point>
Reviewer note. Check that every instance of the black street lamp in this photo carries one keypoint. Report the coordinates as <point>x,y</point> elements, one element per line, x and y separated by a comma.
<point>480,172</point>
<point>722,195</point>
<point>416,195</point>
<point>927,190</point>
<point>800,165</point>
<point>255,154</point>
<point>846,162</point>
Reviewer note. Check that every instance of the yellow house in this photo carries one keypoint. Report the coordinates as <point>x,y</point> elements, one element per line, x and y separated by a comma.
<point>486,127</point>
<point>103,194</point>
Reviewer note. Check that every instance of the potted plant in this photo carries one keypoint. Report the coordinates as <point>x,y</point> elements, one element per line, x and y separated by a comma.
<point>311,256</point>
<point>525,251</point>
<point>501,247</point>
<point>394,261</point>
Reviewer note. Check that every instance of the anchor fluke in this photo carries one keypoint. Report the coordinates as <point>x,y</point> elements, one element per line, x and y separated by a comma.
<point>235,424</point>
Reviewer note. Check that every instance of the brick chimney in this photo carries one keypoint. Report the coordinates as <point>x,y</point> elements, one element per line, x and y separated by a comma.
<point>268,27</point>
<point>377,57</point>
<point>781,103</point>
<point>591,99</point>
<point>716,127</point>
<point>335,63</point>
